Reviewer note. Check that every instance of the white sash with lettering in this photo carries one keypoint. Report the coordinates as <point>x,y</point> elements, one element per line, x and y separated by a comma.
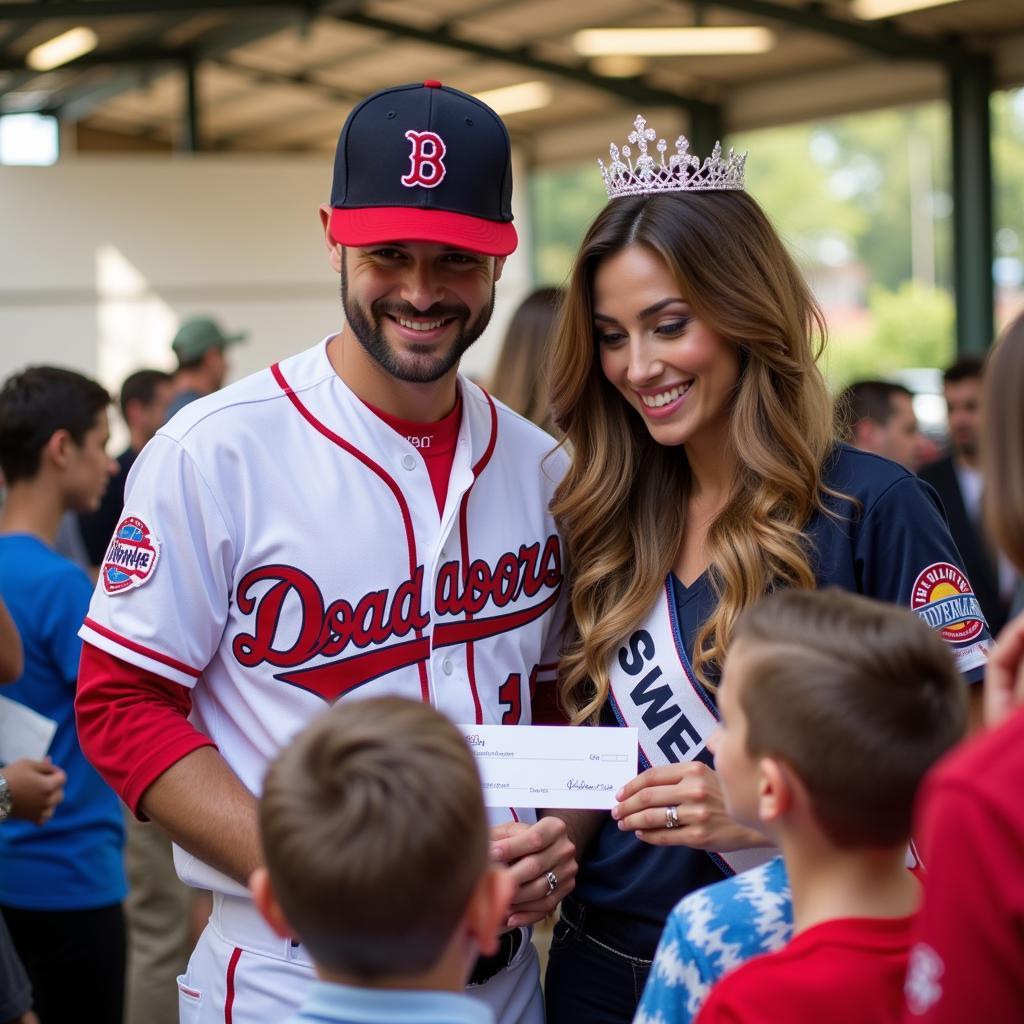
<point>654,689</point>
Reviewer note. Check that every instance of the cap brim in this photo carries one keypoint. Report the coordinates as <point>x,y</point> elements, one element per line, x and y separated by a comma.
<point>234,339</point>
<point>376,224</point>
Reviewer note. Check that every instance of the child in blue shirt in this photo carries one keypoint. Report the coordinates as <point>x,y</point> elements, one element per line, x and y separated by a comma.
<point>377,861</point>
<point>710,932</point>
<point>62,881</point>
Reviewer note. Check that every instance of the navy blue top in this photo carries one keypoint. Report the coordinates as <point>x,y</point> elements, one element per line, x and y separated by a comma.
<point>74,861</point>
<point>879,544</point>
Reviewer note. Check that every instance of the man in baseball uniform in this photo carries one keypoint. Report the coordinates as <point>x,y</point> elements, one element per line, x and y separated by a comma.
<point>356,520</point>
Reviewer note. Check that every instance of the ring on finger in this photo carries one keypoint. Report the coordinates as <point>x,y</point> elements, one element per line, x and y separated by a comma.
<point>552,880</point>
<point>671,817</point>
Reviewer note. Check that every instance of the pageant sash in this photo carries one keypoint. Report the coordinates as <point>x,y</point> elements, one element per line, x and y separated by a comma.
<point>653,689</point>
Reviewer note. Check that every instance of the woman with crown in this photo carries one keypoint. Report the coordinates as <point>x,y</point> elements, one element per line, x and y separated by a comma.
<point>705,473</point>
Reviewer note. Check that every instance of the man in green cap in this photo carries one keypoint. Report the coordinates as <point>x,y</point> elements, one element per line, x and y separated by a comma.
<point>200,345</point>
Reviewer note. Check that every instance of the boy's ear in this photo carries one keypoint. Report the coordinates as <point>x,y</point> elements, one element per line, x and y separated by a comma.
<point>58,448</point>
<point>488,908</point>
<point>774,790</point>
<point>266,903</point>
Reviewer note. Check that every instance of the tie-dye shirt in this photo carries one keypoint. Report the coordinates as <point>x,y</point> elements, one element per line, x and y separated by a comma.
<point>712,931</point>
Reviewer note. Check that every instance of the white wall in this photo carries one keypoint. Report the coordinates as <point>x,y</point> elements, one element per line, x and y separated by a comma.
<point>100,257</point>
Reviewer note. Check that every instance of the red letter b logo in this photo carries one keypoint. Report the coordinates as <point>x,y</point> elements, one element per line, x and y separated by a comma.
<point>426,164</point>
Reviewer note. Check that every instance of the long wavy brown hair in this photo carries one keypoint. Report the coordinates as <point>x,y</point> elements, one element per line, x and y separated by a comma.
<point>1002,447</point>
<point>518,375</point>
<point>622,505</point>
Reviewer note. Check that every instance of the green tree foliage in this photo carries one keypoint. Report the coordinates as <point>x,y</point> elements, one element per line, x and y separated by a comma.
<point>870,189</point>
<point>861,187</point>
<point>564,201</point>
<point>911,326</point>
<point>1008,165</point>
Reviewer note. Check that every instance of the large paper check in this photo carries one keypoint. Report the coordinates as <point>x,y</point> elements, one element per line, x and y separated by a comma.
<point>552,766</point>
<point>23,732</point>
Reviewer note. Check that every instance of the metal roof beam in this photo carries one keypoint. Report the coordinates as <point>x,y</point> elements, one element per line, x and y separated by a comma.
<point>883,38</point>
<point>14,30</point>
<point>76,102</point>
<point>143,52</point>
<point>635,90</point>
<point>89,10</point>
<point>15,80</point>
<point>128,55</point>
<point>303,79</point>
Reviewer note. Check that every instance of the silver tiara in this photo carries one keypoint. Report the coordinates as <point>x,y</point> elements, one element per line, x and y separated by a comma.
<point>684,172</point>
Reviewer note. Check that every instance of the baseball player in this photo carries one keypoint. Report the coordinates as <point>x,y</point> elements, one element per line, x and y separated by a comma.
<point>356,520</point>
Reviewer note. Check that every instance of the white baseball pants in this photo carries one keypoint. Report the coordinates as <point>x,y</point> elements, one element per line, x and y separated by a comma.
<point>242,973</point>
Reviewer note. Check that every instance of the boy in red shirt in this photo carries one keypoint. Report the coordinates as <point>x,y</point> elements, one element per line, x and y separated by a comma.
<point>833,708</point>
<point>968,961</point>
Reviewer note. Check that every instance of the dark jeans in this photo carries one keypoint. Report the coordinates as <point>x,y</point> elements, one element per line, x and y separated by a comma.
<point>589,980</point>
<point>75,960</point>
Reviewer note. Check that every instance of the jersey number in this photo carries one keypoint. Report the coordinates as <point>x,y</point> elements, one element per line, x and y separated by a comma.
<point>511,697</point>
<point>510,694</point>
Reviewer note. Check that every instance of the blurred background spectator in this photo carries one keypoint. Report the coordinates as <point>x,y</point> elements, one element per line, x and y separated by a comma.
<point>144,398</point>
<point>200,346</point>
<point>878,416</point>
<point>957,477</point>
<point>517,376</point>
<point>61,886</point>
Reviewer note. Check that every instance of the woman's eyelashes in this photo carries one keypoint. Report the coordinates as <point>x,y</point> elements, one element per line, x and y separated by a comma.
<point>673,328</point>
<point>666,329</point>
<point>608,338</point>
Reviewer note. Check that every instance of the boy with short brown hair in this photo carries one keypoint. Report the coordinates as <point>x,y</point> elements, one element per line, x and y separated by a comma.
<point>377,860</point>
<point>833,708</point>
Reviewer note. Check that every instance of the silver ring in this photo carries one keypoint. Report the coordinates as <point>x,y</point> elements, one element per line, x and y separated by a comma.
<point>671,817</point>
<point>552,881</point>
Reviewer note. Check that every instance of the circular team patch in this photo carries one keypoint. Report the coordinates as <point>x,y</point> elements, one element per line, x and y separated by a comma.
<point>131,556</point>
<point>943,597</point>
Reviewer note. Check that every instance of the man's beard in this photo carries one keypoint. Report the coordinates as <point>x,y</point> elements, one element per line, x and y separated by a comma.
<point>422,366</point>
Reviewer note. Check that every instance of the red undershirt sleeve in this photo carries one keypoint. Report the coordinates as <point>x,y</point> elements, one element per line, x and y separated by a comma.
<point>132,724</point>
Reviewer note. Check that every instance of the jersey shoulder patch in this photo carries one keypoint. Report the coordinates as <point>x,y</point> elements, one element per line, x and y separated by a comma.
<point>943,597</point>
<point>131,557</point>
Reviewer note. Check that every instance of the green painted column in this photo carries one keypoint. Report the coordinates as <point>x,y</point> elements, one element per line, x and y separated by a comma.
<point>974,291</point>
<point>190,139</point>
<point>706,128</point>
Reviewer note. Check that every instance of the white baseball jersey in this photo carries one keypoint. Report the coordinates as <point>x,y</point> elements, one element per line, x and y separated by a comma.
<point>280,548</point>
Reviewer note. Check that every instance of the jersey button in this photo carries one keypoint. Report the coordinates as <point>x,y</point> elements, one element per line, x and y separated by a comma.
<point>447,666</point>
<point>409,460</point>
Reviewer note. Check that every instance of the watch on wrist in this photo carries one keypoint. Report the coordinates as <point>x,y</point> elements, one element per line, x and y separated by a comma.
<point>6,799</point>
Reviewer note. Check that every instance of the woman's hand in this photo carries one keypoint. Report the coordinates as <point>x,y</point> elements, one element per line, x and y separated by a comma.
<point>690,797</point>
<point>536,855</point>
<point>36,788</point>
<point>1004,674</point>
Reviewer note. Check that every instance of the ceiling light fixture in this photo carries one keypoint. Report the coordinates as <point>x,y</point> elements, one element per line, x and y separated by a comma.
<point>619,65</point>
<point>515,99</point>
<point>61,49</point>
<point>671,42</point>
<point>871,10</point>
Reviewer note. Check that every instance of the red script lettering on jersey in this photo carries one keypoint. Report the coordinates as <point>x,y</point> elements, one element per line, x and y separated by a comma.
<point>380,616</point>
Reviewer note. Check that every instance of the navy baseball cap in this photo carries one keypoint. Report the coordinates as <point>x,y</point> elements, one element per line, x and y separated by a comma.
<point>424,163</point>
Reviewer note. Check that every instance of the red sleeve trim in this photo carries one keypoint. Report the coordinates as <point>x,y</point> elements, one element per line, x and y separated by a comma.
<point>132,724</point>
<point>131,645</point>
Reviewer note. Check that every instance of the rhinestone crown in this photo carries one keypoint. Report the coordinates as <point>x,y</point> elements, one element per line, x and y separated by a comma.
<point>683,172</point>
